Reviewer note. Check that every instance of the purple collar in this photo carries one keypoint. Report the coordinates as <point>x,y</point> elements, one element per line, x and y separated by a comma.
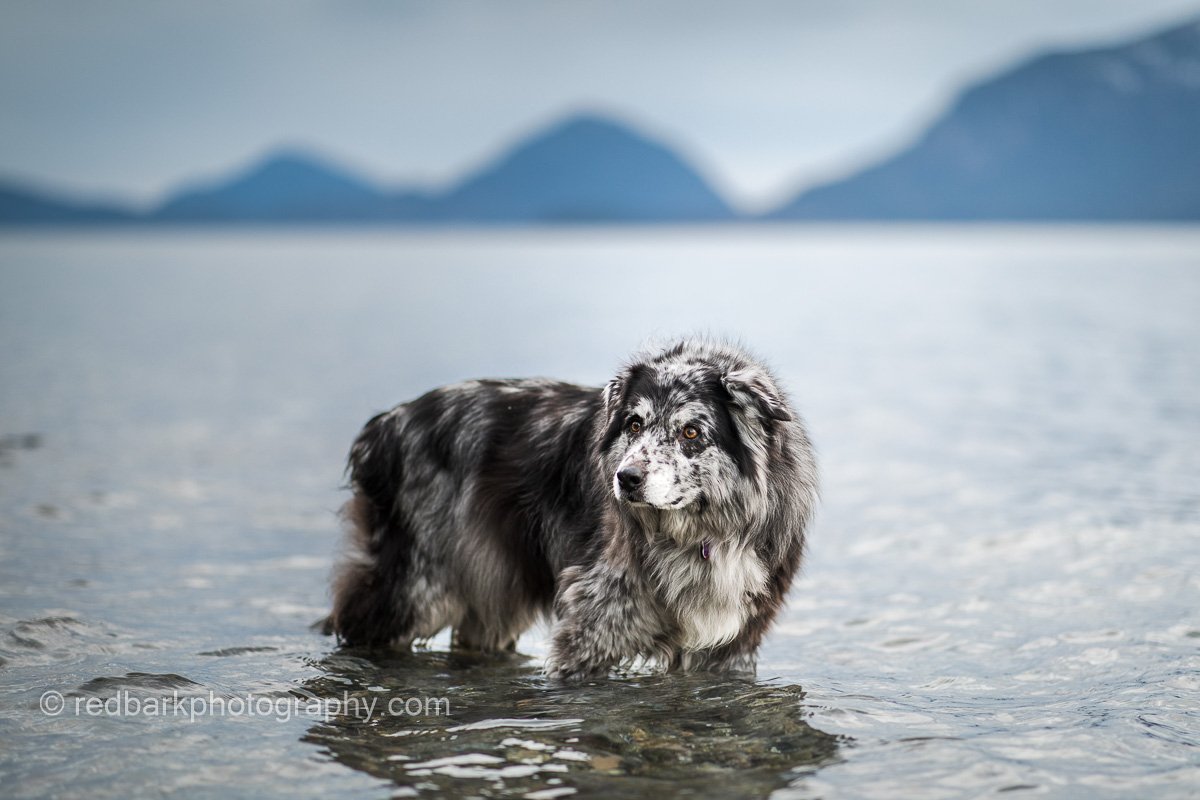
<point>705,551</point>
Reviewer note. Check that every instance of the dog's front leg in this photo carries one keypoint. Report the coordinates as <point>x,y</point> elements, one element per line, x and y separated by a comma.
<point>605,618</point>
<point>721,661</point>
<point>740,656</point>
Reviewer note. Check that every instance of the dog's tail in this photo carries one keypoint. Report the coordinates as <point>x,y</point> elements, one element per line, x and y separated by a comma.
<point>375,467</point>
<point>368,608</point>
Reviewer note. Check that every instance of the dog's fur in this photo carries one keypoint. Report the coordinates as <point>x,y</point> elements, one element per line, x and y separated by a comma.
<point>487,504</point>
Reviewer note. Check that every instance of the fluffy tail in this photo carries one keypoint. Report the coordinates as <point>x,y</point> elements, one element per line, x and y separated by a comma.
<point>369,607</point>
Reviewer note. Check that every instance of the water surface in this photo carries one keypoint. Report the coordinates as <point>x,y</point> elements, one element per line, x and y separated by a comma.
<point>1001,593</point>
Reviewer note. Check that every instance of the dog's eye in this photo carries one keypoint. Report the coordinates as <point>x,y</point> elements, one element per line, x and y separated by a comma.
<point>635,425</point>
<point>690,431</point>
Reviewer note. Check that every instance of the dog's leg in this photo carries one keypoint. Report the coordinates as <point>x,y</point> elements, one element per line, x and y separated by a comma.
<point>472,634</point>
<point>467,633</point>
<point>604,618</point>
<point>734,657</point>
<point>727,659</point>
<point>740,656</point>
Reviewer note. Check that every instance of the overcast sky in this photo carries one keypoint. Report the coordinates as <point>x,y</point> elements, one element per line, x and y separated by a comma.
<point>129,97</point>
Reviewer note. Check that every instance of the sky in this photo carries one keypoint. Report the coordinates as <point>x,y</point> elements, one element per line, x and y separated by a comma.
<point>130,98</point>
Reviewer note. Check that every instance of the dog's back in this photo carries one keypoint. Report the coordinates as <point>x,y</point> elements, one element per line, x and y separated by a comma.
<point>468,502</point>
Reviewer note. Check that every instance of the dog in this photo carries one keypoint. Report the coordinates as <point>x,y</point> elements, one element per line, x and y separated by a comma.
<point>660,519</point>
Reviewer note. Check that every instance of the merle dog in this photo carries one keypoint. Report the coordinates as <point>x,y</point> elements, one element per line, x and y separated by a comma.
<point>660,518</point>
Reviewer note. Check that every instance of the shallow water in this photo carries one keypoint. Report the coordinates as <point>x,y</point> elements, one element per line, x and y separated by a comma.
<point>1002,591</point>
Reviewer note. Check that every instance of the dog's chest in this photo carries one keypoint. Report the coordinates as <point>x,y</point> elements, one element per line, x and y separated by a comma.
<point>711,596</point>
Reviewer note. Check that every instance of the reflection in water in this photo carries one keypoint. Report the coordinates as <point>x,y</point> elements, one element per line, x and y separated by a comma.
<point>510,732</point>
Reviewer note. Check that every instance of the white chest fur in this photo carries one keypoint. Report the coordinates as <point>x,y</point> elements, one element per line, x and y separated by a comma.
<point>710,598</point>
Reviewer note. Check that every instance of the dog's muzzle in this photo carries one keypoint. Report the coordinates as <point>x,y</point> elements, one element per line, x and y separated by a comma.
<point>629,481</point>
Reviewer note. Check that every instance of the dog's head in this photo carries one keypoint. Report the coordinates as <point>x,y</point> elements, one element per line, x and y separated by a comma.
<point>685,427</point>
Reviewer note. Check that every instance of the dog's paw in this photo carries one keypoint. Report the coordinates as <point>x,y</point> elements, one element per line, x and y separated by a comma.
<point>574,657</point>
<point>571,671</point>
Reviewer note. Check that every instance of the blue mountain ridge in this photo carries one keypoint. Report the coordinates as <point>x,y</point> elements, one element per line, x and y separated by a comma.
<point>585,168</point>
<point>1109,133</point>
<point>287,185</point>
<point>22,205</point>
<point>1099,134</point>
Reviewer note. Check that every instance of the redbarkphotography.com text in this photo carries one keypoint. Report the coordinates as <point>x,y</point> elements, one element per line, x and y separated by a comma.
<point>192,707</point>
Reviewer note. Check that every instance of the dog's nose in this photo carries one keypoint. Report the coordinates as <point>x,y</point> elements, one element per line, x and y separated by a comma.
<point>630,477</point>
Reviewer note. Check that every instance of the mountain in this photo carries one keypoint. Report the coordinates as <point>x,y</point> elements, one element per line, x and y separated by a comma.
<point>1107,133</point>
<point>583,169</point>
<point>586,168</point>
<point>21,205</point>
<point>287,186</point>
<point>1102,134</point>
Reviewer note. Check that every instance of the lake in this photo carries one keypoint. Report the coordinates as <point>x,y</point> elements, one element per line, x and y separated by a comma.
<point>1002,593</point>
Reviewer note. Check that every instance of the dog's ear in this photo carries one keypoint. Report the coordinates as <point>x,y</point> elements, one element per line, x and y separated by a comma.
<point>616,391</point>
<point>613,395</point>
<point>755,392</point>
